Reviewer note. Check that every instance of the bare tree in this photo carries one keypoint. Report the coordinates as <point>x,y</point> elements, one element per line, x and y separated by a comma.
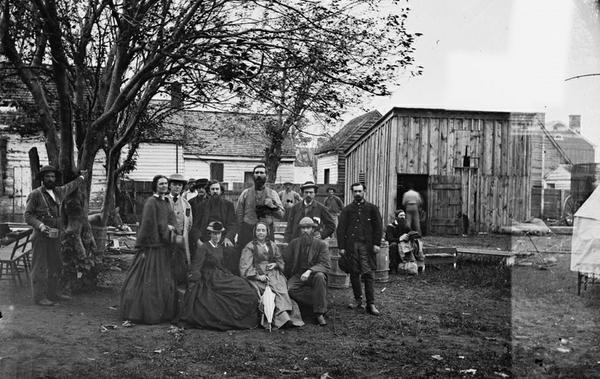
<point>336,56</point>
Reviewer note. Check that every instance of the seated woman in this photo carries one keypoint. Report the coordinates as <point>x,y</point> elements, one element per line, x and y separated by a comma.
<point>216,298</point>
<point>262,264</point>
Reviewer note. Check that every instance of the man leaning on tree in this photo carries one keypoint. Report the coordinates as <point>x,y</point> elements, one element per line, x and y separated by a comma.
<point>43,214</point>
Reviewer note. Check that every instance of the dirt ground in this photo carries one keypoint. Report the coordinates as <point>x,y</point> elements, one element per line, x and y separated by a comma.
<point>481,319</point>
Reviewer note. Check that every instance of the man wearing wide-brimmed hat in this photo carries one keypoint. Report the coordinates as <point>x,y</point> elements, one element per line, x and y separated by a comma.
<point>183,214</point>
<point>307,263</point>
<point>309,207</point>
<point>43,214</point>
<point>289,198</point>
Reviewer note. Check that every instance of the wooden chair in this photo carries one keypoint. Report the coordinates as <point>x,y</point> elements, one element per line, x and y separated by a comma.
<point>14,257</point>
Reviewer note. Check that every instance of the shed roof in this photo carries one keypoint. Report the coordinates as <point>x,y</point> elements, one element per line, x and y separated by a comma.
<point>568,139</point>
<point>223,133</point>
<point>350,132</point>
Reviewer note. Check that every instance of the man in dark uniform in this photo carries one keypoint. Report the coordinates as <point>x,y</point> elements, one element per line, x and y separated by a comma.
<point>43,214</point>
<point>309,207</point>
<point>359,235</point>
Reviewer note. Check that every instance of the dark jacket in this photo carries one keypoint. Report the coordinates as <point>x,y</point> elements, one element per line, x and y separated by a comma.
<point>221,210</point>
<point>319,259</point>
<point>42,209</point>
<point>315,209</point>
<point>395,230</point>
<point>368,222</point>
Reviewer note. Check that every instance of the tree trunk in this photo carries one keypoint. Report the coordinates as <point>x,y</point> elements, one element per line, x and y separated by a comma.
<point>272,159</point>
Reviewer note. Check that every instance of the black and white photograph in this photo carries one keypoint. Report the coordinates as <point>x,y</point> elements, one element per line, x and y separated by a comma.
<point>300,189</point>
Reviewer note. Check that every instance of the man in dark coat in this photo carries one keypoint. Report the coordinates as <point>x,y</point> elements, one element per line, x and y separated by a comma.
<point>197,203</point>
<point>359,235</point>
<point>393,232</point>
<point>43,214</point>
<point>217,208</point>
<point>309,207</point>
<point>307,262</point>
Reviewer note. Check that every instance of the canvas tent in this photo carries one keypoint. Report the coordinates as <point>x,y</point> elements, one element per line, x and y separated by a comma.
<point>585,244</point>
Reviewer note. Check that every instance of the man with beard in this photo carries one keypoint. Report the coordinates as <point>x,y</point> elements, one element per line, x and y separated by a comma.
<point>307,263</point>
<point>257,203</point>
<point>43,214</point>
<point>309,207</point>
<point>359,235</point>
<point>183,214</point>
<point>334,204</point>
<point>217,208</point>
<point>197,203</point>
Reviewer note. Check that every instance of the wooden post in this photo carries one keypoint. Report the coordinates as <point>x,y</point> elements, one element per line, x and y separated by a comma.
<point>34,167</point>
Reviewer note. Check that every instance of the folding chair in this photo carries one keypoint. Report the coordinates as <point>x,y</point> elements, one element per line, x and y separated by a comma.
<point>14,257</point>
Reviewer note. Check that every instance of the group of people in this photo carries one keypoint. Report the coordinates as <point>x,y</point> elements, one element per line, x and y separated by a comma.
<point>224,255</point>
<point>230,258</point>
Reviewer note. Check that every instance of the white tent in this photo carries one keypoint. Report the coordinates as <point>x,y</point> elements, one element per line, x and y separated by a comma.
<point>585,244</point>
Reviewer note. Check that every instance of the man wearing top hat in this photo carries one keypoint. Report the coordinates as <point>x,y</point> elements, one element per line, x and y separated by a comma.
<point>307,263</point>
<point>289,198</point>
<point>183,214</point>
<point>309,207</point>
<point>42,212</point>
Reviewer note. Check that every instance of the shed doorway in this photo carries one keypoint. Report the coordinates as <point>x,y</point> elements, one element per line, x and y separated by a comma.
<point>418,183</point>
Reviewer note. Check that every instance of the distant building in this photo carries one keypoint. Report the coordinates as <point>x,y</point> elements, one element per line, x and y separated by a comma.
<point>223,146</point>
<point>331,164</point>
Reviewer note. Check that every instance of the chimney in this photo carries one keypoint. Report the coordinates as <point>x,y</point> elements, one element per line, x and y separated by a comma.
<point>575,123</point>
<point>176,95</point>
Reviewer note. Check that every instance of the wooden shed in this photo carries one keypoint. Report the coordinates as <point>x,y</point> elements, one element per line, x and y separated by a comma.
<point>472,168</point>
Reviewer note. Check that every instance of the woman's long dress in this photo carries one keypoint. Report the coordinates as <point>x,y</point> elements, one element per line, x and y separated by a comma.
<point>253,262</point>
<point>216,298</point>
<point>149,293</point>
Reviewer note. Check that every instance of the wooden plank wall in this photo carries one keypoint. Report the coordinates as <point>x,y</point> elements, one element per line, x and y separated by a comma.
<point>495,189</point>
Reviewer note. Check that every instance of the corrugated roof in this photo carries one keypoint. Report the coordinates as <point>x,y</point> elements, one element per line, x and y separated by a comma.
<point>224,133</point>
<point>348,134</point>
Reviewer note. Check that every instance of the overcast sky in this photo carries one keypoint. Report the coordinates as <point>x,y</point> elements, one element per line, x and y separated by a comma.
<point>505,55</point>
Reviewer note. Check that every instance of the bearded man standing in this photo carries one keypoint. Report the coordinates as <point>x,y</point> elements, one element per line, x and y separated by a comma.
<point>307,263</point>
<point>257,203</point>
<point>359,235</point>
<point>43,214</point>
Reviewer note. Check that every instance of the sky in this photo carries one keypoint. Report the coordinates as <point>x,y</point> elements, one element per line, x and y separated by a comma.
<point>504,55</point>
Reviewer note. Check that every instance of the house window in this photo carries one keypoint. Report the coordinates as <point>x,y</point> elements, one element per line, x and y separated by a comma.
<point>248,178</point>
<point>216,171</point>
<point>326,176</point>
<point>550,185</point>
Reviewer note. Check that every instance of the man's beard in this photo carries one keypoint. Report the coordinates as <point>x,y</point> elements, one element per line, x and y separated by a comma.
<point>50,185</point>
<point>259,181</point>
<point>358,199</point>
<point>306,238</point>
<point>214,199</point>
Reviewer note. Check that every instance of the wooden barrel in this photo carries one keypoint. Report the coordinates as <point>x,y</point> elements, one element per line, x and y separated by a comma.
<point>99,233</point>
<point>383,264</point>
<point>336,277</point>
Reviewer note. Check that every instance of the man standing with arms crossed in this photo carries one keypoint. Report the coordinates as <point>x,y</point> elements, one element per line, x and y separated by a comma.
<point>359,235</point>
